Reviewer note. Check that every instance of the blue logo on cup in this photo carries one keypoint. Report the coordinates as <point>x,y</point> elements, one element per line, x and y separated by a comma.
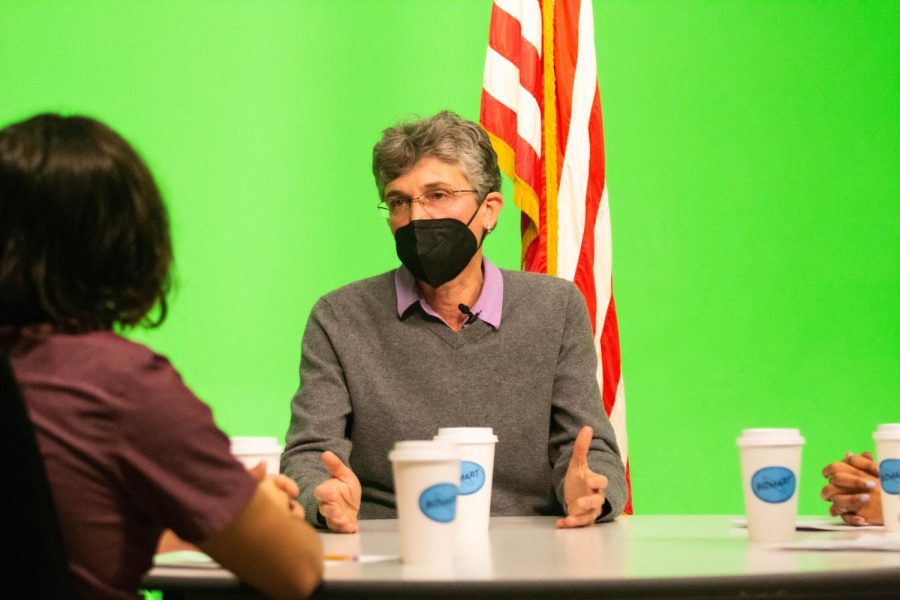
<point>890,475</point>
<point>773,484</point>
<point>438,502</point>
<point>471,477</point>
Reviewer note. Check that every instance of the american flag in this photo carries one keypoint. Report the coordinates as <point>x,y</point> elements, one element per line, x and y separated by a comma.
<point>541,107</point>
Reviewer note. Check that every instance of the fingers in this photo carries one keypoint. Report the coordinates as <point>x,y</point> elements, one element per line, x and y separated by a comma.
<point>851,519</point>
<point>833,493</point>
<point>287,485</point>
<point>583,511</point>
<point>337,468</point>
<point>258,471</point>
<point>340,515</point>
<point>848,503</point>
<point>326,492</point>
<point>843,467</point>
<point>574,521</point>
<point>863,462</point>
<point>594,504</point>
<point>596,482</point>
<point>338,518</point>
<point>852,483</point>
<point>582,445</point>
<point>591,505</point>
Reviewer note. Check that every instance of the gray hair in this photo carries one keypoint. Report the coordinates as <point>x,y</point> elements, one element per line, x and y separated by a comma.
<point>445,136</point>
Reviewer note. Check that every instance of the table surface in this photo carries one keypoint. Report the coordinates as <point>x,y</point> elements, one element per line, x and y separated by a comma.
<point>642,555</point>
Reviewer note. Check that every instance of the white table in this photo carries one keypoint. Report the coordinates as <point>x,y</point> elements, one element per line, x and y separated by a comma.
<point>638,556</point>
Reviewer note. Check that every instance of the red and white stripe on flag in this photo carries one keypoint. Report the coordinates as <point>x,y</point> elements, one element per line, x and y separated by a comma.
<point>541,107</point>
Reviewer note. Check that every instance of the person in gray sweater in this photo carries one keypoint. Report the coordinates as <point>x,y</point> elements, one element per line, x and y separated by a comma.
<point>450,340</point>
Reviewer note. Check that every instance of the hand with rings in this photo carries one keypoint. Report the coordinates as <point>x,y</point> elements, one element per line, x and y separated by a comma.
<point>853,490</point>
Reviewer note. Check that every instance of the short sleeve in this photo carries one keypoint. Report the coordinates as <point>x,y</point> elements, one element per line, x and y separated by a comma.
<point>174,462</point>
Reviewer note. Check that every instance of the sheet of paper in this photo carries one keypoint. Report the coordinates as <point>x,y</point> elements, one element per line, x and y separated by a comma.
<point>820,525</point>
<point>866,543</point>
<point>185,558</point>
<point>193,560</point>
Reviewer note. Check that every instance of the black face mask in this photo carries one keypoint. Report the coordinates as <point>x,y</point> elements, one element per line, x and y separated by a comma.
<point>436,250</point>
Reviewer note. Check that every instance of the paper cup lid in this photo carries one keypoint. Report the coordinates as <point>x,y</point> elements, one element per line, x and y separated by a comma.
<point>423,450</point>
<point>467,435</point>
<point>255,445</point>
<point>887,431</point>
<point>770,437</point>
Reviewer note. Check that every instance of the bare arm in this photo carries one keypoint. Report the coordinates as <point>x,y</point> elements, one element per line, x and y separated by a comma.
<point>269,547</point>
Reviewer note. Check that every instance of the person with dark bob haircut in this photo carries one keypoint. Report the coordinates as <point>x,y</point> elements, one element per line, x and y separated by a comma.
<point>130,452</point>
<point>85,233</point>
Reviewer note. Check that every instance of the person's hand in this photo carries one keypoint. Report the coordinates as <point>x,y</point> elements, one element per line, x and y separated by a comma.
<point>339,497</point>
<point>853,489</point>
<point>170,542</point>
<point>584,490</point>
<point>283,484</point>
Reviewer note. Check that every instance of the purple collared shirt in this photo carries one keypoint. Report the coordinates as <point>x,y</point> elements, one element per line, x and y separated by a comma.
<point>488,307</point>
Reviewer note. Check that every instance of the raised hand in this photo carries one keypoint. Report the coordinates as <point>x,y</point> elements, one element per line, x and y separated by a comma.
<point>339,497</point>
<point>584,490</point>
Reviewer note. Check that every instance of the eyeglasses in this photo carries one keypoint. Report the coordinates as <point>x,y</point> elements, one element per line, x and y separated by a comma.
<point>438,201</point>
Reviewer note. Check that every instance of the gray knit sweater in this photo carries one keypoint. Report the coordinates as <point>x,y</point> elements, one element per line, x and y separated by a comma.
<point>370,378</point>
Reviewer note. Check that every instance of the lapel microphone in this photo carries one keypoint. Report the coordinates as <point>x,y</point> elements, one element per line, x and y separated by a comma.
<point>464,309</point>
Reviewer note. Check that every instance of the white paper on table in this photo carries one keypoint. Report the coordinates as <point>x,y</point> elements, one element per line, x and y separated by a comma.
<point>820,525</point>
<point>866,543</point>
<point>190,559</point>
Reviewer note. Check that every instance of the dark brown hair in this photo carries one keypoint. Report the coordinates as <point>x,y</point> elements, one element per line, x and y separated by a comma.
<point>84,234</point>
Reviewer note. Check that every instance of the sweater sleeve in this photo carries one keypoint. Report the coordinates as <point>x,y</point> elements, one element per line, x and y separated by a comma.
<point>576,402</point>
<point>320,411</point>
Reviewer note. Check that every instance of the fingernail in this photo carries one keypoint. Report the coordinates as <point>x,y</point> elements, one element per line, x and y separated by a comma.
<point>864,498</point>
<point>870,485</point>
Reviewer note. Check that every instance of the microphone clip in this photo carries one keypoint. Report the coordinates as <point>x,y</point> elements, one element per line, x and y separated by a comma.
<point>470,316</point>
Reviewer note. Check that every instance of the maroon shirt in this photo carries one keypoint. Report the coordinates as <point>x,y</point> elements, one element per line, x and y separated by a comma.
<point>129,450</point>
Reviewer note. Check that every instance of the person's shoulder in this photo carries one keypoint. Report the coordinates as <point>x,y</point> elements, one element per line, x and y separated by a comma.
<point>361,291</point>
<point>102,364</point>
<point>128,367</point>
<point>528,283</point>
<point>116,352</point>
<point>143,387</point>
<point>86,351</point>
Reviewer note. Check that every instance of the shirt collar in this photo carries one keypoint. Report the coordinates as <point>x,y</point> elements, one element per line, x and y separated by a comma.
<point>488,307</point>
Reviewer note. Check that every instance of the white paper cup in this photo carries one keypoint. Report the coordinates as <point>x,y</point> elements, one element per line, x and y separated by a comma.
<point>426,474</point>
<point>476,466</point>
<point>252,449</point>
<point>770,468</point>
<point>887,442</point>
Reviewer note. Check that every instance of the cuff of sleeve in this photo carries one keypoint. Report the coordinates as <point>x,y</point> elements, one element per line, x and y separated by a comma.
<point>311,511</point>
<point>607,510</point>
<point>616,496</point>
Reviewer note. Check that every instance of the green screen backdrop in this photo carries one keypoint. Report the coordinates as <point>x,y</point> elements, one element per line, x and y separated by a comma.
<point>753,154</point>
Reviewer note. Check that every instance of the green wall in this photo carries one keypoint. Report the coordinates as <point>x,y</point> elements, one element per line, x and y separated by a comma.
<point>753,153</point>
